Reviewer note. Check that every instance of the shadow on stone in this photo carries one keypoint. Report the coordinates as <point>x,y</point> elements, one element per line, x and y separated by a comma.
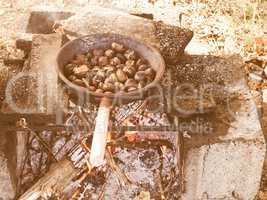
<point>44,22</point>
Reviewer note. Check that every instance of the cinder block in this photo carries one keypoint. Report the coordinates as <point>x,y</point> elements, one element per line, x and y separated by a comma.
<point>48,20</point>
<point>227,162</point>
<point>224,170</point>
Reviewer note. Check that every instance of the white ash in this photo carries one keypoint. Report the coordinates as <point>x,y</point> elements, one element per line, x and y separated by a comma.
<point>114,189</point>
<point>35,144</point>
<point>78,156</point>
<point>65,149</point>
<point>255,77</point>
<point>43,166</point>
<point>46,136</point>
<point>157,119</point>
<point>146,118</point>
<point>137,170</point>
<point>35,161</point>
<point>58,145</point>
<point>27,179</point>
<point>68,191</point>
<point>169,160</point>
<point>87,193</point>
<point>121,112</point>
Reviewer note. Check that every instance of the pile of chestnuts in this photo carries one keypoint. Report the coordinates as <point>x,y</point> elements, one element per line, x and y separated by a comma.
<point>110,70</point>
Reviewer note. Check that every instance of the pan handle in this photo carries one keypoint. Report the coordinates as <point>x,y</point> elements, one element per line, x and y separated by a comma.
<point>100,133</point>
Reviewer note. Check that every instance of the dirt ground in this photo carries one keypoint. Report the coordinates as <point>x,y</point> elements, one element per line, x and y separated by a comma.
<point>220,27</point>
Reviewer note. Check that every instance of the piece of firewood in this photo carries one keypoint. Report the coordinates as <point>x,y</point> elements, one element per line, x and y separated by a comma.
<point>58,177</point>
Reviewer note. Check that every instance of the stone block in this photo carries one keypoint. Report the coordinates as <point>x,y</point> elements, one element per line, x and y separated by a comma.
<point>39,86</point>
<point>48,21</point>
<point>170,40</point>
<point>225,161</point>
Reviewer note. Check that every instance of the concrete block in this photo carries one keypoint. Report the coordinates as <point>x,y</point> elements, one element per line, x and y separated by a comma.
<point>226,162</point>
<point>24,42</point>
<point>48,20</point>
<point>170,40</point>
<point>224,170</point>
<point>37,92</point>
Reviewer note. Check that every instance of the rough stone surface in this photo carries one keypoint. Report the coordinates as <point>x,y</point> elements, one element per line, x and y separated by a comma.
<point>7,191</point>
<point>24,42</point>
<point>7,183</point>
<point>48,20</point>
<point>103,20</point>
<point>226,161</point>
<point>171,40</point>
<point>227,171</point>
<point>30,91</point>
<point>197,48</point>
<point>43,63</point>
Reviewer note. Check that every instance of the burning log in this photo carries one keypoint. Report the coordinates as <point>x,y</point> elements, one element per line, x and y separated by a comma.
<point>153,136</point>
<point>56,179</point>
<point>62,173</point>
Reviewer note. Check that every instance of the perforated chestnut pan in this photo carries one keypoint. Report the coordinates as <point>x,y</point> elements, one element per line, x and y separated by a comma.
<point>103,41</point>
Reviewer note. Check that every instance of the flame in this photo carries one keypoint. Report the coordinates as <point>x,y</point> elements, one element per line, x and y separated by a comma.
<point>84,145</point>
<point>75,194</point>
<point>131,135</point>
<point>163,149</point>
<point>109,137</point>
<point>89,166</point>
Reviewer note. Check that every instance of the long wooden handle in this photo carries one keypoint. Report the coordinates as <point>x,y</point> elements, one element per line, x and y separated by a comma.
<point>100,133</point>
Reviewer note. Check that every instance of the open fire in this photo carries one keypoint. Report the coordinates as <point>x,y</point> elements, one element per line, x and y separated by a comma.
<point>152,150</point>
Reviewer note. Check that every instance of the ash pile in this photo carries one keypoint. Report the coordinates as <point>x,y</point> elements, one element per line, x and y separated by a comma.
<point>52,128</point>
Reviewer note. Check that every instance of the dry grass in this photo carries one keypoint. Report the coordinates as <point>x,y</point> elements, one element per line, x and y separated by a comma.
<point>234,26</point>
